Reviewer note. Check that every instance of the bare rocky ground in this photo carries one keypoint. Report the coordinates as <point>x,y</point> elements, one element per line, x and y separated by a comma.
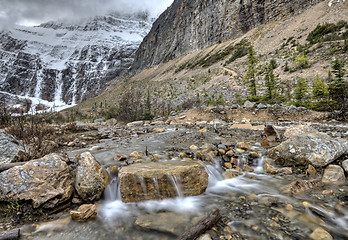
<point>276,203</point>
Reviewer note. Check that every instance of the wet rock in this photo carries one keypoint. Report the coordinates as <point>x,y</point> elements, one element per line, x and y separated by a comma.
<point>333,174</point>
<point>135,124</point>
<point>204,130</point>
<point>84,213</point>
<point>247,168</point>
<point>286,170</point>
<point>298,187</point>
<point>95,148</point>
<point>91,178</point>
<point>228,165</point>
<point>345,165</point>
<point>194,148</point>
<point>205,237</point>
<point>311,171</point>
<point>158,130</point>
<point>45,181</point>
<point>166,222</point>
<point>271,137</point>
<point>150,181</point>
<point>230,153</point>
<point>120,157</point>
<point>327,192</point>
<point>10,150</point>
<point>317,149</point>
<point>320,234</point>
<point>136,154</point>
<point>243,145</point>
<point>229,175</point>
<point>254,155</point>
<point>270,169</point>
<point>298,130</point>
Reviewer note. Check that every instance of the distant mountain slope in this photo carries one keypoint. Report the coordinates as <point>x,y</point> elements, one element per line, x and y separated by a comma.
<point>190,25</point>
<point>58,64</point>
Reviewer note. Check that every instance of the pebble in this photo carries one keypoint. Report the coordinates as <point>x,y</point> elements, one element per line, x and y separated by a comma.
<point>320,234</point>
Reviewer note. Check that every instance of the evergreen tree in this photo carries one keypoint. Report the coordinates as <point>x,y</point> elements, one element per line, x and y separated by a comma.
<point>270,82</point>
<point>301,92</point>
<point>147,113</point>
<point>338,88</point>
<point>320,93</point>
<point>250,77</point>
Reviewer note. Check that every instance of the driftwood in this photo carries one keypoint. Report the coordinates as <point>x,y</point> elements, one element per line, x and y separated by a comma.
<point>10,235</point>
<point>202,226</point>
<point>6,166</point>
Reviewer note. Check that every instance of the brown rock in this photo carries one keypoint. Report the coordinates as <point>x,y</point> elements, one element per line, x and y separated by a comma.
<point>136,154</point>
<point>150,181</point>
<point>45,182</point>
<point>327,192</point>
<point>247,168</point>
<point>91,177</point>
<point>84,213</point>
<point>158,130</point>
<point>229,175</point>
<point>221,152</point>
<point>311,171</point>
<point>333,174</point>
<point>298,187</point>
<point>254,155</point>
<point>243,145</point>
<point>120,157</point>
<point>298,130</point>
<point>230,153</point>
<point>270,169</point>
<point>228,165</point>
<point>271,137</point>
<point>320,234</point>
<point>286,170</point>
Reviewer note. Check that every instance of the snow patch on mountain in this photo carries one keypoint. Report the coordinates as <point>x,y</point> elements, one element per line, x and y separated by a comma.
<point>60,64</point>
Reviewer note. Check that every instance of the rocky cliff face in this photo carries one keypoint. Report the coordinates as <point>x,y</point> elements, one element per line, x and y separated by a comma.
<point>58,64</point>
<point>189,25</point>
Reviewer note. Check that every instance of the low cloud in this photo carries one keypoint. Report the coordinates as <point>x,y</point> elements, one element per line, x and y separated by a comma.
<point>38,11</point>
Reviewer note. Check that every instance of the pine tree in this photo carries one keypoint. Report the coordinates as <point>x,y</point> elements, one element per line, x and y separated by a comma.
<point>320,93</point>
<point>338,88</point>
<point>301,91</point>
<point>271,82</point>
<point>147,113</point>
<point>250,77</point>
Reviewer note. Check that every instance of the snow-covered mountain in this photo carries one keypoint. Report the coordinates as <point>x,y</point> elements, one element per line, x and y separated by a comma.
<point>58,64</point>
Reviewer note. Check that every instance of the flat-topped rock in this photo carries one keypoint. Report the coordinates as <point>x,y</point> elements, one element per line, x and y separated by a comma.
<point>159,180</point>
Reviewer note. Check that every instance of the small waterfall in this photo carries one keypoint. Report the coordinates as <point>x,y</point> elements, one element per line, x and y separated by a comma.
<point>260,163</point>
<point>176,183</point>
<point>112,191</point>
<point>155,181</point>
<point>143,185</point>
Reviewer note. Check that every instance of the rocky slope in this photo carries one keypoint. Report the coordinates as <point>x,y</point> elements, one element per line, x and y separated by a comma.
<point>58,64</point>
<point>201,77</point>
<point>190,25</point>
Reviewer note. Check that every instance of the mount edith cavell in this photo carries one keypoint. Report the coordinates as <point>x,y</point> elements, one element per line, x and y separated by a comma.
<point>222,119</point>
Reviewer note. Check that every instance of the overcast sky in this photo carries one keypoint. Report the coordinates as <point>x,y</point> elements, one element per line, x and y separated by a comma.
<point>31,12</point>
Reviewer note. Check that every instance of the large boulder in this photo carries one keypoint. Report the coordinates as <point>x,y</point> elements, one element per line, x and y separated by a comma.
<point>91,178</point>
<point>298,130</point>
<point>154,181</point>
<point>10,150</point>
<point>317,149</point>
<point>45,182</point>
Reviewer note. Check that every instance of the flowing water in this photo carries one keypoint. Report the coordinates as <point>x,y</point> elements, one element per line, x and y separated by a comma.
<point>254,204</point>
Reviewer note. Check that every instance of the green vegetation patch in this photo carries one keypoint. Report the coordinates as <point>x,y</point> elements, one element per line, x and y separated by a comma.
<point>329,32</point>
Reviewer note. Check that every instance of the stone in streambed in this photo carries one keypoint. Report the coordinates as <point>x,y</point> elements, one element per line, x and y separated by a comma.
<point>345,165</point>
<point>45,181</point>
<point>270,169</point>
<point>84,213</point>
<point>317,149</point>
<point>91,178</point>
<point>333,174</point>
<point>154,181</point>
<point>320,234</point>
<point>166,222</point>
